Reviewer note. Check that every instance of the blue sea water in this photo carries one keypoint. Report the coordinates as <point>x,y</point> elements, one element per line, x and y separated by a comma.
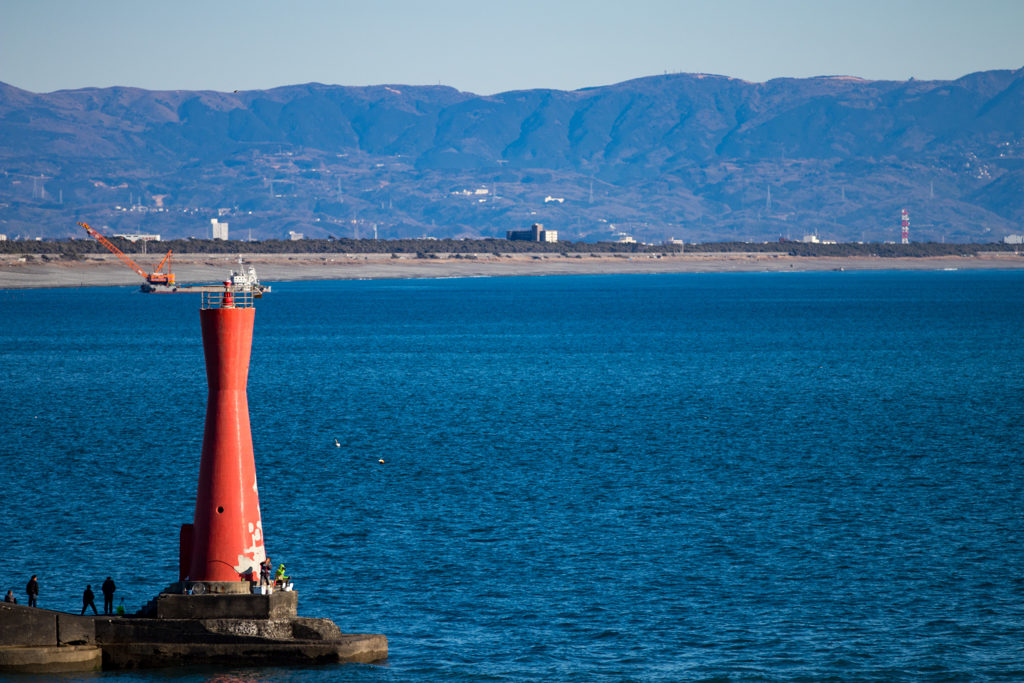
<point>694,477</point>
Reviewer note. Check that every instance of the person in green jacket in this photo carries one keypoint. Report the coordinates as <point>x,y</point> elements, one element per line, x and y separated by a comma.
<point>279,578</point>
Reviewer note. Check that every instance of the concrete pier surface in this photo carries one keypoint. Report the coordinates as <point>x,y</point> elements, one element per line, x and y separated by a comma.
<point>178,630</point>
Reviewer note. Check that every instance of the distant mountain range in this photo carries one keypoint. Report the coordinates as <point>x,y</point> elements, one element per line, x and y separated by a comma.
<point>692,156</point>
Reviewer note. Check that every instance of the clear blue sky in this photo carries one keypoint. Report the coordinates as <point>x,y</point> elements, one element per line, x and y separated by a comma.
<point>488,47</point>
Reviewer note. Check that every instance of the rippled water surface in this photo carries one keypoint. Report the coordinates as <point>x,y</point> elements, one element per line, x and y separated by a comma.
<point>745,477</point>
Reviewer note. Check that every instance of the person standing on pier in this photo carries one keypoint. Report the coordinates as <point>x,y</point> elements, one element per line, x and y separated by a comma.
<point>265,568</point>
<point>33,591</point>
<point>108,589</point>
<point>88,600</point>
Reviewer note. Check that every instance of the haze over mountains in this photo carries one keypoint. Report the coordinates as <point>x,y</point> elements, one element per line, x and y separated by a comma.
<point>684,155</point>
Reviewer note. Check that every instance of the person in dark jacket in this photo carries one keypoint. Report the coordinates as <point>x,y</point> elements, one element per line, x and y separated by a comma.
<point>10,597</point>
<point>265,569</point>
<point>88,600</point>
<point>33,591</point>
<point>108,589</point>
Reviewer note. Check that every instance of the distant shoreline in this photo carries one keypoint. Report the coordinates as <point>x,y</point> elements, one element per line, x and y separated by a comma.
<point>107,271</point>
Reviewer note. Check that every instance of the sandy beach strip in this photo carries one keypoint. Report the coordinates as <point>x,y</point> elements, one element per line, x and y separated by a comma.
<point>107,270</point>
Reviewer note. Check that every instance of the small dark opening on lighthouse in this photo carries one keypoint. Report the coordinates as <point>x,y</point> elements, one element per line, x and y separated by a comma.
<point>220,509</point>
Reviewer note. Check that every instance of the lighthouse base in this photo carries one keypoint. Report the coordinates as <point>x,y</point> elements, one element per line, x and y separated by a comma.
<point>229,628</point>
<point>234,600</point>
<point>159,643</point>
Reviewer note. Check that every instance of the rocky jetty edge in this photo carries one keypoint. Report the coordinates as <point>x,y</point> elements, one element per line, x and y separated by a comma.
<point>178,629</point>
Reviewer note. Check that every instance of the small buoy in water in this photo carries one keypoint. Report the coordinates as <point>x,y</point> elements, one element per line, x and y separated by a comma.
<point>381,462</point>
<point>336,444</point>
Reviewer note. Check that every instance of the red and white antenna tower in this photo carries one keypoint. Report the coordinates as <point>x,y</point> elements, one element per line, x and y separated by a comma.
<point>906,226</point>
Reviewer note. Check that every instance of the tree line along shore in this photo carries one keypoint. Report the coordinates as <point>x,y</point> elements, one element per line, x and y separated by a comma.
<point>75,249</point>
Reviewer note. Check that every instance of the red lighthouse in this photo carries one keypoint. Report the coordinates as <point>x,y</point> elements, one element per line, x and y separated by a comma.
<point>905,223</point>
<point>225,541</point>
<point>221,550</point>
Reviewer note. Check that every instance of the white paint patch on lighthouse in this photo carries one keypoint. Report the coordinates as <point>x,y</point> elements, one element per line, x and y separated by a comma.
<point>256,535</point>
<point>246,565</point>
<point>253,555</point>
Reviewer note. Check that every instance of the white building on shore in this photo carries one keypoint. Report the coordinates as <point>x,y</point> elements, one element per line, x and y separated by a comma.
<point>220,230</point>
<point>137,237</point>
<point>536,233</point>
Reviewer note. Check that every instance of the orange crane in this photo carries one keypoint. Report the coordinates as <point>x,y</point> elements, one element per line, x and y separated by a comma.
<point>238,290</point>
<point>155,278</point>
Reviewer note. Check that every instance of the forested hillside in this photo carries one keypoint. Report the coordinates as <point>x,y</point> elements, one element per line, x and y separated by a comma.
<point>704,158</point>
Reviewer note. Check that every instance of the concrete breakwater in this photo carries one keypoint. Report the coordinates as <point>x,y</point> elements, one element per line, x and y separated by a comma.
<point>229,630</point>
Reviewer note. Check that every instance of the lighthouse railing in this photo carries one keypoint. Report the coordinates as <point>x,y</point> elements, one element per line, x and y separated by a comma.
<point>240,298</point>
